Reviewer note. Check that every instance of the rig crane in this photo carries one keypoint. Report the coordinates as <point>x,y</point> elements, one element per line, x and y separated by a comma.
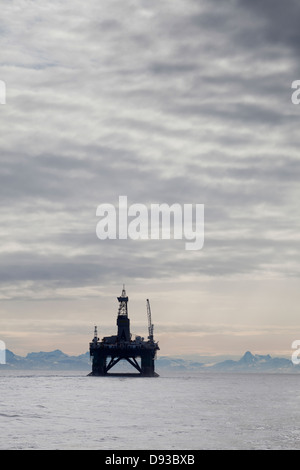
<point>150,325</point>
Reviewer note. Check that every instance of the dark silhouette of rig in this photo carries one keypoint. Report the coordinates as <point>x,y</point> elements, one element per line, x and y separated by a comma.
<point>111,349</point>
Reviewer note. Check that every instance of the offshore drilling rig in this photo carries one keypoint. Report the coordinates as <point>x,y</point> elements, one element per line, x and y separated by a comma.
<point>111,349</point>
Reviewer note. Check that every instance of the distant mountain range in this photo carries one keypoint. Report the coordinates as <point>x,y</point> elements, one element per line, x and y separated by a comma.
<point>57,360</point>
<point>247,363</point>
<point>257,363</point>
<point>53,360</point>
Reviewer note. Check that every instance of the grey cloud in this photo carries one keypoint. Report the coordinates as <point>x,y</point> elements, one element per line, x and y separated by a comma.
<point>168,102</point>
<point>281,20</point>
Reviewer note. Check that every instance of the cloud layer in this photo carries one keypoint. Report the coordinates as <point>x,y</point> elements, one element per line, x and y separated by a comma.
<point>169,101</point>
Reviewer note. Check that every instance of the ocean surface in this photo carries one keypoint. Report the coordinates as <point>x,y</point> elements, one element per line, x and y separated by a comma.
<point>50,410</point>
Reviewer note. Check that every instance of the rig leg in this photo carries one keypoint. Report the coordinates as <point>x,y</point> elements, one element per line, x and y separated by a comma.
<point>147,365</point>
<point>99,365</point>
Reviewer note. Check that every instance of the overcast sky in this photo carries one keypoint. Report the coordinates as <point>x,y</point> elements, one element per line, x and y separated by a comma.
<point>164,102</point>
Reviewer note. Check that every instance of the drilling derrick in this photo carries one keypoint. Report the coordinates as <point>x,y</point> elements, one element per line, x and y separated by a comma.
<point>111,349</point>
<point>123,321</point>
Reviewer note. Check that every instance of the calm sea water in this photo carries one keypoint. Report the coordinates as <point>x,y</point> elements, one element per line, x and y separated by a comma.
<point>206,411</point>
